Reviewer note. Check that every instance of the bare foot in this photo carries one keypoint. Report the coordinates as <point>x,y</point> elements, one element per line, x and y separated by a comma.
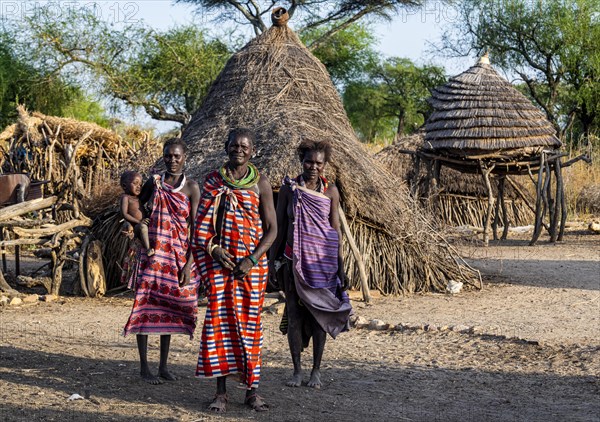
<point>315,379</point>
<point>150,252</point>
<point>296,380</point>
<point>150,378</point>
<point>165,374</point>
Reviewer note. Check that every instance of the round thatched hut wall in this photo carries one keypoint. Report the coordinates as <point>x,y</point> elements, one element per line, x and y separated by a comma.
<point>461,197</point>
<point>480,112</point>
<point>275,86</point>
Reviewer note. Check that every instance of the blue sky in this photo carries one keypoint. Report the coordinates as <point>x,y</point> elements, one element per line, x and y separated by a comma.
<point>408,35</point>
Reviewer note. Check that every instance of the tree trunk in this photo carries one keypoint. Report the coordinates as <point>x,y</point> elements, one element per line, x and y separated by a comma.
<point>5,287</point>
<point>401,124</point>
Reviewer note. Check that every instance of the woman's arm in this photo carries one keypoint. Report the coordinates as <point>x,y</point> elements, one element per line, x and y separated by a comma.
<point>281,214</point>
<point>269,224</point>
<point>147,190</point>
<point>194,195</point>
<point>334,220</point>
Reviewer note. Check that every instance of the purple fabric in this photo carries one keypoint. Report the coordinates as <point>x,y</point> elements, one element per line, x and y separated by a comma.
<point>315,261</point>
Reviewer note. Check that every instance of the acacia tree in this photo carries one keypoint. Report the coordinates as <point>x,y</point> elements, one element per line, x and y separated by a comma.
<point>407,88</point>
<point>552,46</point>
<point>392,98</point>
<point>336,15</point>
<point>23,83</point>
<point>347,55</point>
<point>165,73</point>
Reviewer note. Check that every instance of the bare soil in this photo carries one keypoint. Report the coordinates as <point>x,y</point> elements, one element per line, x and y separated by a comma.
<point>525,348</point>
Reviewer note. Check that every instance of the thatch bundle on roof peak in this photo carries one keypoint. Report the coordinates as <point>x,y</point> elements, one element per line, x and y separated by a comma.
<point>276,87</point>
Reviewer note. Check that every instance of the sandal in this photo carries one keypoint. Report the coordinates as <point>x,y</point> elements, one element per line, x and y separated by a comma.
<point>256,403</point>
<point>219,403</point>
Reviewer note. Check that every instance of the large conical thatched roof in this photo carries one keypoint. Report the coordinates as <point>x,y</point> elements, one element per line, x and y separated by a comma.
<point>480,111</point>
<point>276,87</point>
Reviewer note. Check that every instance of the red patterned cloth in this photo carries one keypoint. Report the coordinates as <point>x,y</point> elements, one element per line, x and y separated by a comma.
<point>232,334</point>
<point>161,306</point>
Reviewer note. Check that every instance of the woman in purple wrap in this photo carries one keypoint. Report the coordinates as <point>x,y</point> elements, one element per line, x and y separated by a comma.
<point>313,274</point>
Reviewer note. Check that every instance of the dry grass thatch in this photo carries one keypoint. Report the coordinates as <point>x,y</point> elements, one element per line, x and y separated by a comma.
<point>479,110</point>
<point>275,86</point>
<point>461,198</point>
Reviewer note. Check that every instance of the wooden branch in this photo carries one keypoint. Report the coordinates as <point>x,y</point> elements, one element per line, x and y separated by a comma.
<point>539,214</point>
<point>16,210</point>
<point>5,287</point>
<point>26,223</point>
<point>485,171</point>
<point>364,282</point>
<point>584,157</point>
<point>18,242</point>
<point>49,231</point>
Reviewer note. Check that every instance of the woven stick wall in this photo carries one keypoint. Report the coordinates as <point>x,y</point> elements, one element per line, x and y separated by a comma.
<point>461,197</point>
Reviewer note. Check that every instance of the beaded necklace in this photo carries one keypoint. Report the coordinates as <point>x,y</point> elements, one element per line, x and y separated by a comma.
<point>250,178</point>
<point>322,184</point>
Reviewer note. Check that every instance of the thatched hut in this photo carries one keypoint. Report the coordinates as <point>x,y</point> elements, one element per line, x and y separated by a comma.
<point>481,124</point>
<point>275,86</point>
<point>479,113</point>
<point>461,198</point>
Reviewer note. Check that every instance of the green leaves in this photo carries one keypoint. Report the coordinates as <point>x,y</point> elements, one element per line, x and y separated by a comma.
<point>165,73</point>
<point>392,100</point>
<point>552,46</point>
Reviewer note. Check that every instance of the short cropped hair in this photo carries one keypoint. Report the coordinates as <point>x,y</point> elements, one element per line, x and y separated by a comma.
<point>175,141</point>
<point>128,176</point>
<point>308,145</point>
<point>240,132</point>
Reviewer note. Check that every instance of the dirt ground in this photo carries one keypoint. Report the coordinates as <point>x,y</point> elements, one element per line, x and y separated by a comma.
<point>525,348</point>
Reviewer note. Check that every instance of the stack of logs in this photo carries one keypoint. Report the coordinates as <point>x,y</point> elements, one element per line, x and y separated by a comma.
<point>42,230</point>
<point>81,162</point>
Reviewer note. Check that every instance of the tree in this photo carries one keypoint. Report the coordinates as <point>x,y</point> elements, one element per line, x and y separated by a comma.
<point>167,74</point>
<point>407,88</point>
<point>347,54</point>
<point>336,15</point>
<point>392,100</point>
<point>552,46</point>
<point>23,83</point>
<point>364,102</point>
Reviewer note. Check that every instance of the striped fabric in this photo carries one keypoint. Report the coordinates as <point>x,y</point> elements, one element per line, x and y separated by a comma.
<point>232,334</point>
<point>315,260</point>
<point>161,306</point>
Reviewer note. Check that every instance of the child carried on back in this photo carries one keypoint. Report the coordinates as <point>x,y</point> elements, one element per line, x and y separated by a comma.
<point>136,223</point>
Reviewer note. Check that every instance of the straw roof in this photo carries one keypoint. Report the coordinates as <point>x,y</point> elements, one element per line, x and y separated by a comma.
<point>276,87</point>
<point>480,111</point>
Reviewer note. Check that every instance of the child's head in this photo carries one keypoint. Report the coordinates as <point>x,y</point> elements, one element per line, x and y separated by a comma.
<point>131,182</point>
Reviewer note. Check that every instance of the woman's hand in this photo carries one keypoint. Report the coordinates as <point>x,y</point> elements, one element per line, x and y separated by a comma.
<point>242,268</point>
<point>223,257</point>
<point>342,276</point>
<point>273,277</point>
<point>184,275</point>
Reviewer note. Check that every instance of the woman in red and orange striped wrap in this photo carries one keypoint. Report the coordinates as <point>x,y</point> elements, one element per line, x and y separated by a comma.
<point>235,227</point>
